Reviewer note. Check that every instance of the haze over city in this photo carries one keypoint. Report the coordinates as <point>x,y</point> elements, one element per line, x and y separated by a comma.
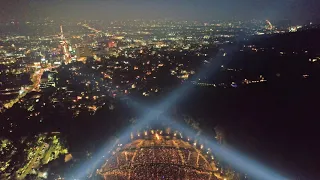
<point>295,10</point>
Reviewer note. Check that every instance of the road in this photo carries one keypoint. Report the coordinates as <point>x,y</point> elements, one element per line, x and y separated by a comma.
<point>91,28</point>
<point>47,158</point>
<point>35,78</point>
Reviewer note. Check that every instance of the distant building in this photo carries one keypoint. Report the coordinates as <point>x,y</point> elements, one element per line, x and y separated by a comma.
<point>83,52</point>
<point>43,62</point>
<point>48,79</point>
<point>112,44</point>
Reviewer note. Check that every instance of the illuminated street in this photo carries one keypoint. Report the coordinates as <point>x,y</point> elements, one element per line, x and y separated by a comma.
<point>90,28</point>
<point>35,78</point>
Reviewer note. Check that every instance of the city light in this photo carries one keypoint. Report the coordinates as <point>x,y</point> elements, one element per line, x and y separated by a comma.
<point>157,136</point>
<point>105,84</point>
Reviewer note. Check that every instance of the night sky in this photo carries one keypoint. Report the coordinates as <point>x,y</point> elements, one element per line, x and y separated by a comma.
<point>296,10</point>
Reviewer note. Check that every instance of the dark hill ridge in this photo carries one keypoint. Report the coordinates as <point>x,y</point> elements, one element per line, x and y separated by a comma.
<point>304,39</point>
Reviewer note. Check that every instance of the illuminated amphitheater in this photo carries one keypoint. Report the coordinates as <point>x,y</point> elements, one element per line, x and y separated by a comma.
<point>155,154</point>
